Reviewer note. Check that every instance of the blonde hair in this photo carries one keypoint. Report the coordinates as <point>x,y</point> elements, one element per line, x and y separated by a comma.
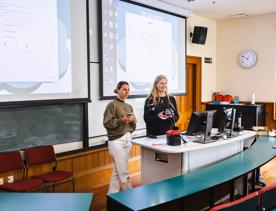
<point>154,96</point>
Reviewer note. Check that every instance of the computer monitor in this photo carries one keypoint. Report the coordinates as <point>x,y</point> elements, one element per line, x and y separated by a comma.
<point>224,120</point>
<point>201,124</point>
<point>209,125</point>
<point>197,124</point>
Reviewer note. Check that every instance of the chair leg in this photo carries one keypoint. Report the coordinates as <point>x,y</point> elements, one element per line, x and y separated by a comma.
<point>54,186</point>
<point>73,182</point>
<point>44,189</point>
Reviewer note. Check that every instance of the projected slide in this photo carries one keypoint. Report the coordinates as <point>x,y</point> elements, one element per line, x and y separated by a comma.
<point>22,28</point>
<point>140,43</point>
<point>35,48</point>
<point>152,40</point>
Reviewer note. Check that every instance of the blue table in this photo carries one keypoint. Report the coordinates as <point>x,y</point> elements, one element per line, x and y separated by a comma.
<point>149,196</point>
<point>45,201</point>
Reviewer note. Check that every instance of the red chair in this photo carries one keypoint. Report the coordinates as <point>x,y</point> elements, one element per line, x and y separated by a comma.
<point>12,161</point>
<point>267,199</point>
<point>247,203</point>
<point>45,154</point>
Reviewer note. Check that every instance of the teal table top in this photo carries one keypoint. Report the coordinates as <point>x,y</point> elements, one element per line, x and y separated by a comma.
<point>45,201</point>
<point>178,187</point>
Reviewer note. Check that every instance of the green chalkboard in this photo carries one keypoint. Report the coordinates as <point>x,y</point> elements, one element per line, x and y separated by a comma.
<point>23,127</point>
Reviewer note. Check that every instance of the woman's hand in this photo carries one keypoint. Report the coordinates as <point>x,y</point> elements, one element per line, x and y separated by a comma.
<point>125,119</point>
<point>163,116</point>
<point>132,119</point>
<point>129,119</point>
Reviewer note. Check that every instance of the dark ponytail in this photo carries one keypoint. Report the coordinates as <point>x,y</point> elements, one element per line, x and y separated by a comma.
<point>119,85</point>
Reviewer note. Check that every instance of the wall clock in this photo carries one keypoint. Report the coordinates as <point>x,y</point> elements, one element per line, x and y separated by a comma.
<point>247,58</point>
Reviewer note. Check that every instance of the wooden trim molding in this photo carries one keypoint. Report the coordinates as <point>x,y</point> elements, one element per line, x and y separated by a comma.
<point>197,62</point>
<point>274,111</point>
<point>182,104</point>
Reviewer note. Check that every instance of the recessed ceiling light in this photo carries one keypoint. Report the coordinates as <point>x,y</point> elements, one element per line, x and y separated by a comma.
<point>239,15</point>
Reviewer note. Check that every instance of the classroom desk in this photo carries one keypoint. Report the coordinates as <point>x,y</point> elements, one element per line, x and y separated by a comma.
<point>177,188</point>
<point>45,201</point>
<point>170,161</point>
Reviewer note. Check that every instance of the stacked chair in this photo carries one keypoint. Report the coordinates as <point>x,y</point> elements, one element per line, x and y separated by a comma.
<point>41,155</point>
<point>12,161</point>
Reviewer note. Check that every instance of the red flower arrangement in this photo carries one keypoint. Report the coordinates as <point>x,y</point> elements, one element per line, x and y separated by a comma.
<point>173,132</point>
<point>173,137</point>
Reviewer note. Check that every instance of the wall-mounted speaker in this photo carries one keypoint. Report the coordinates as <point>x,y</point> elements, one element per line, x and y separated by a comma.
<point>199,35</point>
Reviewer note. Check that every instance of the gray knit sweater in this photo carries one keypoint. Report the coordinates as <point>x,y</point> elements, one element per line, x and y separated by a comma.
<point>113,114</point>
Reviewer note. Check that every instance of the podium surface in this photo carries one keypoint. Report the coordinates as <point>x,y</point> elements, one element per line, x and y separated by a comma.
<point>159,194</point>
<point>160,161</point>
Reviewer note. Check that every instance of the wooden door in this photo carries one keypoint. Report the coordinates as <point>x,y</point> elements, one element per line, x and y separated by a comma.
<point>192,100</point>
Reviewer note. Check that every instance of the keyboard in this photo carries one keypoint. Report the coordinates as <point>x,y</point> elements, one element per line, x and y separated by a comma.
<point>187,138</point>
<point>216,137</point>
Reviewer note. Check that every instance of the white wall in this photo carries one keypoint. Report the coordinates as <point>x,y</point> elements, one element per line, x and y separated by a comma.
<point>259,34</point>
<point>207,50</point>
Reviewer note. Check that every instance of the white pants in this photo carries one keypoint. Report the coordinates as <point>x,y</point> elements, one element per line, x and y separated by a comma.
<point>119,151</point>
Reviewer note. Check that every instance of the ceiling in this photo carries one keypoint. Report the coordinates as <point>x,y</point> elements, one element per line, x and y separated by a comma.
<point>224,9</point>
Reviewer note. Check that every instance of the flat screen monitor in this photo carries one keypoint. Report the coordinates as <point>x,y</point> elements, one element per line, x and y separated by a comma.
<point>201,124</point>
<point>197,124</point>
<point>224,120</point>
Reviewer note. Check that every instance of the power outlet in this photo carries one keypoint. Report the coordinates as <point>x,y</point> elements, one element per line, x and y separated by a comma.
<point>10,179</point>
<point>1,181</point>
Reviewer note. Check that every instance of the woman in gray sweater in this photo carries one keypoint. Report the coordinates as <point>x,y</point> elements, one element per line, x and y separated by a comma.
<point>119,122</point>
